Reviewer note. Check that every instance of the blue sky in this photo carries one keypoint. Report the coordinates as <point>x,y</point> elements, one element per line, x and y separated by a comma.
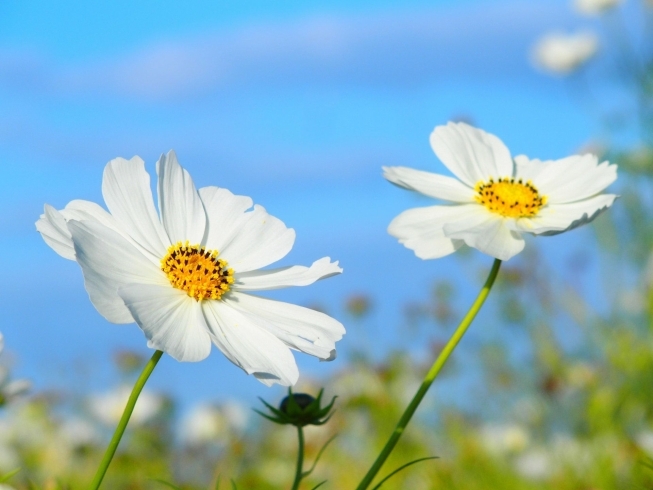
<point>297,104</point>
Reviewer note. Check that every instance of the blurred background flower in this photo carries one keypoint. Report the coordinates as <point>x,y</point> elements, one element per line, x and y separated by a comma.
<point>108,407</point>
<point>563,53</point>
<point>594,7</point>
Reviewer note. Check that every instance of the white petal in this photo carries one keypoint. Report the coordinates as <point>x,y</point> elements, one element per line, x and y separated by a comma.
<point>569,179</point>
<point>16,388</point>
<point>225,214</point>
<point>557,218</point>
<point>300,328</point>
<point>171,320</point>
<point>284,277</point>
<point>261,240</point>
<point>109,262</point>
<point>471,154</point>
<point>127,193</point>
<point>488,233</point>
<point>52,227</point>
<point>248,345</point>
<point>422,229</point>
<point>80,210</point>
<point>181,208</point>
<point>434,185</point>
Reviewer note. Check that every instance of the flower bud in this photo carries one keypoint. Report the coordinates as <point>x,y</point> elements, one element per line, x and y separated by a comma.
<point>299,409</point>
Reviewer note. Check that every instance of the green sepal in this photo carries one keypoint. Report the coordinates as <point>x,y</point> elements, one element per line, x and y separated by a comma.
<point>291,412</point>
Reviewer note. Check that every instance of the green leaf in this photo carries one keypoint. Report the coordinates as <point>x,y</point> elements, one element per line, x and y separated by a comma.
<point>319,454</point>
<point>401,468</point>
<point>217,483</point>
<point>648,463</point>
<point>167,484</point>
<point>233,485</point>
<point>319,485</point>
<point>7,476</point>
<point>31,485</point>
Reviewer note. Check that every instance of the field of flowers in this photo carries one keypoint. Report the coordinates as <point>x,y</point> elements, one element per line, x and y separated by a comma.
<point>548,413</point>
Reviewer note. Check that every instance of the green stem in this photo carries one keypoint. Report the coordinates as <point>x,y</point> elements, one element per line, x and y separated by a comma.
<point>117,435</point>
<point>430,377</point>
<point>299,473</point>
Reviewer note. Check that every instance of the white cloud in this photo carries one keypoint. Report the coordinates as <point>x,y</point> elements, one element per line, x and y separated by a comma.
<point>397,50</point>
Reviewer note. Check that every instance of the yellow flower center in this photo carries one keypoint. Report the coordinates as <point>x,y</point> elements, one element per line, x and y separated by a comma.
<point>509,198</point>
<point>197,271</point>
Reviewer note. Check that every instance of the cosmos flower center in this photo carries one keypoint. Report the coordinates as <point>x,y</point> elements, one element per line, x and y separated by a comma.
<point>197,271</point>
<point>509,197</point>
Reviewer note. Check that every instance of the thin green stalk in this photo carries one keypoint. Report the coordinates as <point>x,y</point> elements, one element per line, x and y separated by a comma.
<point>430,377</point>
<point>299,473</point>
<point>122,425</point>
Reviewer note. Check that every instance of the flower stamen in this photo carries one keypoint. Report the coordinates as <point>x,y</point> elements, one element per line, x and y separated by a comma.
<point>509,197</point>
<point>197,271</point>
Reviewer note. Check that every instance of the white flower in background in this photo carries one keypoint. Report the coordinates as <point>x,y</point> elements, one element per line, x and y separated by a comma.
<point>505,438</point>
<point>594,7</point>
<point>108,407</point>
<point>9,458</point>
<point>184,274</point>
<point>535,464</point>
<point>10,390</point>
<point>562,53</point>
<point>236,414</point>
<point>77,432</point>
<point>201,425</point>
<point>207,423</point>
<point>645,441</point>
<point>493,199</point>
<point>575,454</point>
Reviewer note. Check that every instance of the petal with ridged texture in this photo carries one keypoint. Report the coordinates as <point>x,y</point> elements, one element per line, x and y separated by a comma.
<point>182,212</point>
<point>430,184</point>
<point>261,240</point>
<point>248,345</point>
<point>569,179</point>
<point>558,218</point>
<point>488,234</point>
<point>171,320</point>
<point>300,328</point>
<point>52,227</point>
<point>470,153</point>
<point>297,275</point>
<point>127,193</point>
<point>422,229</point>
<point>109,262</point>
<point>225,213</point>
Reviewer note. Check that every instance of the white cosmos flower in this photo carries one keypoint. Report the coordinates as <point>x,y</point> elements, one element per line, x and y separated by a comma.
<point>184,274</point>
<point>494,200</point>
<point>594,7</point>
<point>562,53</point>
